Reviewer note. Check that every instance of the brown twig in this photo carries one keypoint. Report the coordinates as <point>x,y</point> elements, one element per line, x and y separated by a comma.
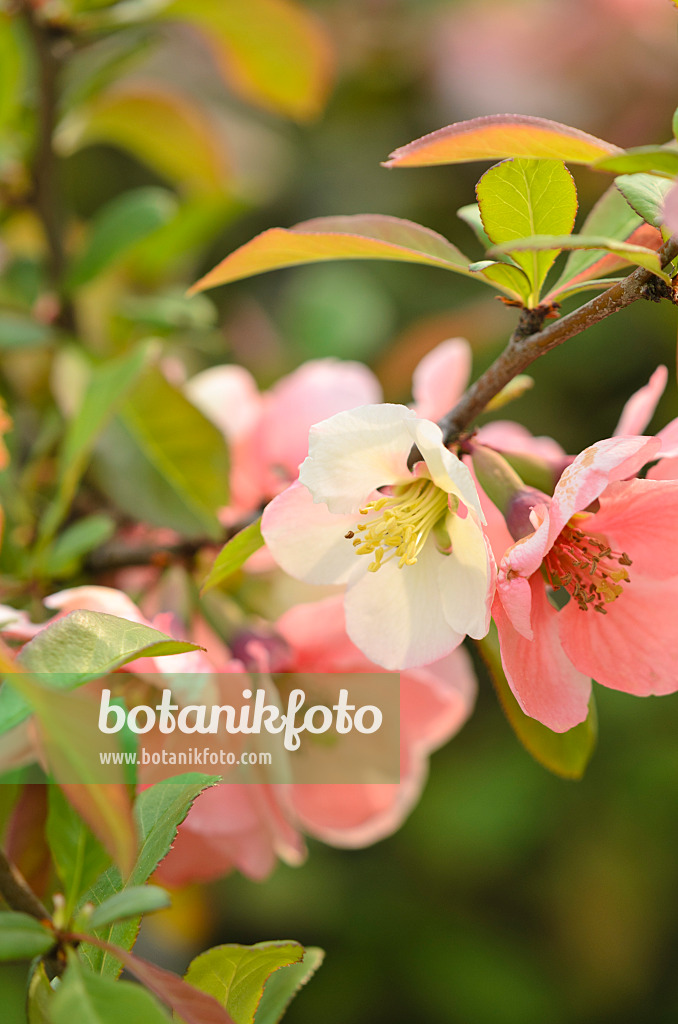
<point>47,44</point>
<point>523,348</point>
<point>17,893</point>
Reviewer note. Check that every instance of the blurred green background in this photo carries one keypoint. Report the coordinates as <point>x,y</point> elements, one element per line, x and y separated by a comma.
<point>509,895</point>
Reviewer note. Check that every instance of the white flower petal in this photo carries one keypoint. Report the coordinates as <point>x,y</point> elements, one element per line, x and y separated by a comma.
<point>465,577</point>
<point>395,615</point>
<point>308,541</point>
<point>447,471</point>
<point>354,452</point>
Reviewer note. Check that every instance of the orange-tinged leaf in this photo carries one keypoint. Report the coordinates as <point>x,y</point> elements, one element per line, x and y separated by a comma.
<point>358,237</point>
<point>161,128</point>
<point>274,53</point>
<point>645,235</point>
<point>500,136</point>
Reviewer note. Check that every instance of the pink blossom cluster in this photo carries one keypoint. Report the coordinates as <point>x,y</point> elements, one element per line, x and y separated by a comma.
<point>422,549</point>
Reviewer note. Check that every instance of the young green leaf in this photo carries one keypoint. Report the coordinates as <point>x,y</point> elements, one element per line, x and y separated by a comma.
<point>566,753</point>
<point>612,217</point>
<point>657,159</point>
<point>18,331</point>
<point>79,857</point>
<point>187,1002</point>
<point>357,237</point>
<point>236,975</point>
<point>83,645</point>
<point>521,198</point>
<point>471,215</point>
<point>118,226</point>
<point>511,279</point>
<point>64,556</point>
<point>283,985</point>
<point>39,996</point>
<point>108,385</point>
<point>88,999</point>
<point>158,813</point>
<point>161,439</point>
<point>498,137</point>
<point>22,937</point>
<point>234,554</point>
<point>638,254</point>
<point>646,194</point>
<point>130,902</point>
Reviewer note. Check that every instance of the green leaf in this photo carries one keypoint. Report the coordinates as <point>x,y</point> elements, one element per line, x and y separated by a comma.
<point>471,215</point>
<point>84,645</point>
<point>638,254</point>
<point>117,227</point>
<point>284,984</point>
<point>40,996</point>
<point>130,902</point>
<point>357,237</point>
<point>68,737</point>
<point>11,69</point>
<point>18,331</point>
<point>675,125</point>
<point>563,753</point>
<point>236,975</point>
<point>161,460</point>
<point>610,217</point>
<point>22,937</point>
<point>646,194</point>
<point>234,554</point>
<point>521,198</point>
<point>64,556</point>
<point>88,999</point>
<point>511,279</point>
<point>107,388</point>
<point>659,159</point>
<point>79,857</point>
<point>158,812</point>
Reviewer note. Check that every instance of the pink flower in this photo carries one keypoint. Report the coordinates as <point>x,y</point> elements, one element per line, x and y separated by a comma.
<point>268,432</point>
<point>434,704</point>
<point>609,543</point>
<point>408,545</point>
<point>246,826</point>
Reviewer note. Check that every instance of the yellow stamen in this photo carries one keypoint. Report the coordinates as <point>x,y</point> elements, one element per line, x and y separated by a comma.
<point>586,567</point>
<point>400,523</point>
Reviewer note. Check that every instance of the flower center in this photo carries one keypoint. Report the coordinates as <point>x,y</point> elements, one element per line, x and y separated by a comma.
<point>398,524</point>
<point>586,567</point>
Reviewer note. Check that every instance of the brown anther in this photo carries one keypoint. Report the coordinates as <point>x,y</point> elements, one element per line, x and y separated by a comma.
<point>599,608</point>
<point>624,559</point>
<point>349,535</point>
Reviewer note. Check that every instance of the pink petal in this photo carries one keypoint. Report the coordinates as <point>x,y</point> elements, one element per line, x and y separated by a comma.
<point>355,452</point>
<point>665,469</point>
<point>671,210</point>
<point>590,473</point>
<point>507,436</point>
<point>631,648</point>
<point>96,599</point>
<point>307,540</point>
<point>395,616</point>
<point>525,556</point>
<point>669,439</point>
<point>317,390</point>
<point>441,377</point>
<point>640,517</point>
<point>640,407</point>
<point>545,683</point>
<point>230,826</point>
<point>229,397</point>
<point>317,635</point>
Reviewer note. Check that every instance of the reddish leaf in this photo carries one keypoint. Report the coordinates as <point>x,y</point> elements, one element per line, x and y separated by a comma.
<point>644,235</point>
<point>187,1002</point>
<point>358,237</point>
<point>25,843</point>
<point>275,53</point>
<point>500,136</point>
